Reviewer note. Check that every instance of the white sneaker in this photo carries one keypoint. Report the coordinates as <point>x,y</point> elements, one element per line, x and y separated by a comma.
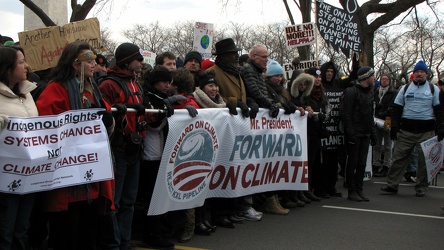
<point>250,215</point>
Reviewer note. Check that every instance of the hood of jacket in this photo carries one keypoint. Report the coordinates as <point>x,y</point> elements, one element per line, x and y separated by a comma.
<point>309,82</point>
<point>122,73</point>
<point>324,68</point>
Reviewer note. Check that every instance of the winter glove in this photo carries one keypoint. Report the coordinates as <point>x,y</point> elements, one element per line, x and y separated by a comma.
<point>107,118</point>
<point>244,108</point>
<point>387,123</point>
<point>274,110</point>
<point>169,108</point>
<point>232,108</point>
<point>440,136</point>
<point>192,111</point>
<point>351,140</point>
<point>3,121</point>
<point>140,109</point>
<point>121,108</point>
<point>394,133</point>
<point>174,99</point>
<point>289,108</point>
<point>254,108</point>
<point>321,116</point>
<point>373,140</point>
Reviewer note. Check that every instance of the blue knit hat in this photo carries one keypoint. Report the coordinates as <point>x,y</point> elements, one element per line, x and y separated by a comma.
<point>421,66</point>
<point>273,68</point>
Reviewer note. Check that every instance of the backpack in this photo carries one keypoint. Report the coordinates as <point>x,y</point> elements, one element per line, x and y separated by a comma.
<point>122,83</point>
<point>432,88</point>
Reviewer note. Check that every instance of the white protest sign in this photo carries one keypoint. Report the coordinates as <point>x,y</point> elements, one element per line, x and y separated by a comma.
<point>203,39</point>
<point>289,67</point>
<point>49,152</point>
<point>148,57</point>
<point>433,155</point>
<point>300,35</point>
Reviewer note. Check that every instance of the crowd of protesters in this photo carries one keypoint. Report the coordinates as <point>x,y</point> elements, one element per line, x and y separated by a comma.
<point>100,215</point>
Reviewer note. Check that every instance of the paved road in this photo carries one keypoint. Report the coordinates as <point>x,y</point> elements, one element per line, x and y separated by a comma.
<point>400,221</point>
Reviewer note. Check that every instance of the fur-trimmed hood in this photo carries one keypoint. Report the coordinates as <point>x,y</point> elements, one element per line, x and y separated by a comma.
<point>303,77</point>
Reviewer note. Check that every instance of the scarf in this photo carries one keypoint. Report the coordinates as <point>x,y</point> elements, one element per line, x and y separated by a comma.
<point>316,92</point>
<point>205,101</point>
<point>75,99</point>
<point>230,68</point>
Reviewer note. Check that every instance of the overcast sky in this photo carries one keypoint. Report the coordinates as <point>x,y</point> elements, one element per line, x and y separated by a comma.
<point>127,13</point>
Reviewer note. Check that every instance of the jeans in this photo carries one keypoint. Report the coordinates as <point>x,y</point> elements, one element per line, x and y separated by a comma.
<point>357,160</point>
<point>126,185</point>
<point>383,145</point>
<point>15,211</point>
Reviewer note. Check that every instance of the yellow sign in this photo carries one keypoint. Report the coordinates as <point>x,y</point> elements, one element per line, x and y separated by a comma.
<point>43,47</point>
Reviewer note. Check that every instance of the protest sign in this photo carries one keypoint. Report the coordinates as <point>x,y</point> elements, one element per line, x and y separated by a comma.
<point>203,38</point>
<point>289,68</point>
<point>219,155</point>
<point>49,152</point>
<point>43,47</point>
<point>300,35</point>
<point>149,57</point>
<point>340,28</point>
<point>433,155</point>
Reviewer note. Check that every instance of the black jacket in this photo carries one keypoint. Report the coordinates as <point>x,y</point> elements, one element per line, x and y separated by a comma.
<point>383,107</point>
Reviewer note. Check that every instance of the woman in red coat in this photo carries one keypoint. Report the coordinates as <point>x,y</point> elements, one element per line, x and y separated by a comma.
<point>74,211</point>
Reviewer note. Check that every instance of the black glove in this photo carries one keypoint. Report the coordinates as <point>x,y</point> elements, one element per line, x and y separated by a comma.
<point>121,108</point>
<point>244,108</point>
<point>321,116</point>
<point>107,118</point>
<point>169,108</point>
<point>394,133</point>
<point>254,108</point>
<point>373,140</point>
<point>192,111</point>
<point>138,107</point>
<point>232,108</point>
<point>274,110</point>
<point>174,99</point>
<point>351,140</point>
<point>440,135</point>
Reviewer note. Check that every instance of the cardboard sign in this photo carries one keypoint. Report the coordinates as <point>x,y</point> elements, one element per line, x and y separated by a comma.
<point>340,28</point>
<point>43,47</point>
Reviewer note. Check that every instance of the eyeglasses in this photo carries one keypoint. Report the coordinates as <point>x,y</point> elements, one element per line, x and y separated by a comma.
<point>264,57</point>
<point>384,79</point>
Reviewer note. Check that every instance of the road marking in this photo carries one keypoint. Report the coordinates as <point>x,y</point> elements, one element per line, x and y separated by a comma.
<point>385,212</point>
<point>404,184</point>
<point>175,248</point>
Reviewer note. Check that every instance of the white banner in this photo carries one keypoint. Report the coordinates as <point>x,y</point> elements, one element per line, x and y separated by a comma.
<point>433,155</point>
<point>49,152</point>
<point>300,35</point>
<point>203,39</point>
<point>219,155</point>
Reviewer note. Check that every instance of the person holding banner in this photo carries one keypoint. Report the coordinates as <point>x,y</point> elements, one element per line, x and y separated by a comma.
<point>16,100</point>
<point>156,91</point>
<point>417,116</point>
<point>126,144</point>
<point>73,211</point>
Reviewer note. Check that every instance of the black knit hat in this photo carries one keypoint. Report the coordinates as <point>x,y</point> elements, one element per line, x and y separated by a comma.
<point>313,71</point>
<point>193,55</point>
<point>158,74</point>
<point>365,72</point>
<point>206,78</point>
<point>126,53</point>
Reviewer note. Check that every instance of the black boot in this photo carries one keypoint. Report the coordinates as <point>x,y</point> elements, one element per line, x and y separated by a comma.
<point>382,173</point>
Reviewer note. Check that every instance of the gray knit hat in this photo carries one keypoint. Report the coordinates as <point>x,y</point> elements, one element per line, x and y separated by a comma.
<point>365,72</point>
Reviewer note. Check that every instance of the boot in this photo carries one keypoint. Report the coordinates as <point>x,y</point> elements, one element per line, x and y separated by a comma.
<point>272,207</point>
<point>278,202</point>
<point>302,197</point>
<point>382,173</point>
<point>362,196</point>
<point>311,196</point>
<point>353,196</point>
